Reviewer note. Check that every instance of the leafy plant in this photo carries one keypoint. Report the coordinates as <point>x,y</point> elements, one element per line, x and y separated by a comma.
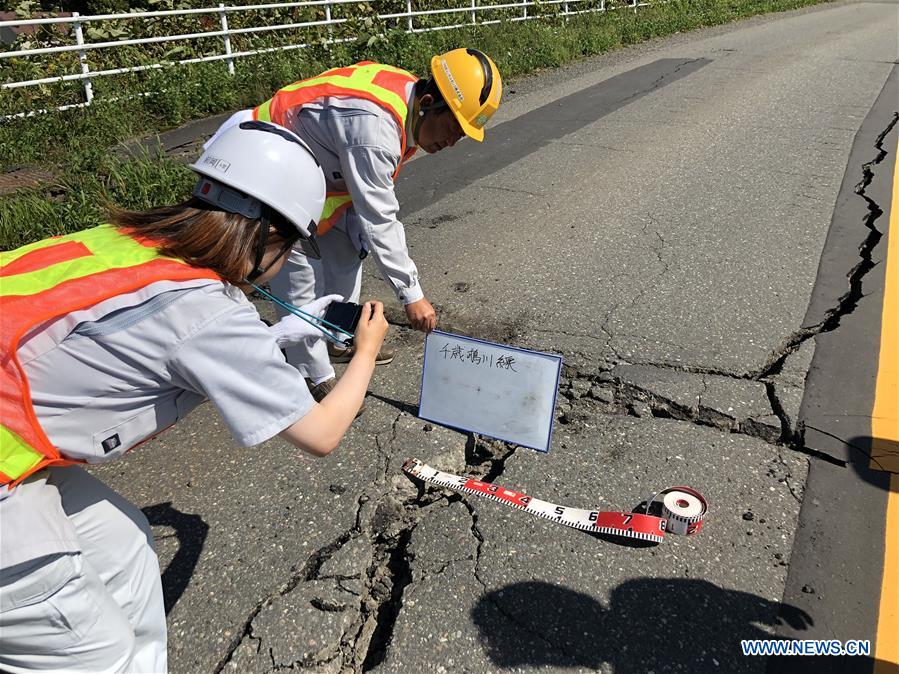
<point>83,147</point>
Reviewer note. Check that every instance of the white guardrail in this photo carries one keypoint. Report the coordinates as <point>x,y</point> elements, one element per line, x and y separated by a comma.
<point>474,14</point>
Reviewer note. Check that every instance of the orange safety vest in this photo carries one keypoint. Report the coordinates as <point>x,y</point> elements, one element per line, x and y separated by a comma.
<point>380,84</point>
<point>43,281</point>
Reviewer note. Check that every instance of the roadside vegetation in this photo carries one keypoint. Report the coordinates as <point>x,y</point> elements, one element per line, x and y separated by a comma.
<point>81,152</point>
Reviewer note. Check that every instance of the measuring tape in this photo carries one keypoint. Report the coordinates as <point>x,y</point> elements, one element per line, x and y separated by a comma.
<point>682,508</point>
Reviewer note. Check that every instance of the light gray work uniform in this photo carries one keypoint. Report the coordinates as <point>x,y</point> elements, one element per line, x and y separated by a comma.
<point>80,589</point>
<point>358,144</point>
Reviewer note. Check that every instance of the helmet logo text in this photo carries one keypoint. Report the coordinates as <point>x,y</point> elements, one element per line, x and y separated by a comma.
<point>216,163</point>
<point>452,81</point>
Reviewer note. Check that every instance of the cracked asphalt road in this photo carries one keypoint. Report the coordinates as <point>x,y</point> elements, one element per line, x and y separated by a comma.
<point>657,216</point>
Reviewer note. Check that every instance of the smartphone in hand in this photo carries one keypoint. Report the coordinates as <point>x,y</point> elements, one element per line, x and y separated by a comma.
<point>345,315</point>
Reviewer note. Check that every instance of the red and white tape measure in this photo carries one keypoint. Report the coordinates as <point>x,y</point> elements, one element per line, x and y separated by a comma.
<point>683,508</point>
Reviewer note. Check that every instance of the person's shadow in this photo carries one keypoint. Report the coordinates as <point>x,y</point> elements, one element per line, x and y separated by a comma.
<point>872,458</point>
<point>191,532</point>
<point>651,624</point>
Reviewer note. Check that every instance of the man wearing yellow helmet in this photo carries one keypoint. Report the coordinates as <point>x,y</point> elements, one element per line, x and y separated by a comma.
<point>362,122</point>
<point>457,71</point>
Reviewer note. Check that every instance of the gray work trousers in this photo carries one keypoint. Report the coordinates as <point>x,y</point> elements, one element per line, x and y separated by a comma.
<point>97,610</point>
<point>301,280</point>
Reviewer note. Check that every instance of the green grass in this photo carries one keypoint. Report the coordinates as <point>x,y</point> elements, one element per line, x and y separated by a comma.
<point>83,147</point>
<point>80,200</point>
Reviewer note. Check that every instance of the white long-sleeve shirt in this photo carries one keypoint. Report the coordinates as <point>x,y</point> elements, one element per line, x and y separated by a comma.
<point>357,143</point>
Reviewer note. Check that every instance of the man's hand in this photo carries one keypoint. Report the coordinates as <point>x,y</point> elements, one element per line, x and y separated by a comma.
<point>422,315</point>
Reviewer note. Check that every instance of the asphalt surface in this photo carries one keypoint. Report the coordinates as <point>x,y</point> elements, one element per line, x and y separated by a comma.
<point>841,540</point>
<point>657,216</point>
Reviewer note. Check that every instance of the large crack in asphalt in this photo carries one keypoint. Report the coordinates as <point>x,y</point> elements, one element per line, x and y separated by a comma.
<point>308,571</point>
<point>629,398</point>
<point>391,572</point>
<point>388,520</point>
<point>386,600</point>
<point>607,394</point>
<point>624,397</point>
<point>847,303</point>
<point>393,518</point>
<point>365,644</point>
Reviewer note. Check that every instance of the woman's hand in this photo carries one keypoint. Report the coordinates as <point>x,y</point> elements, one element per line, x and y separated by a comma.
<point>321,429</point>
<point>293,329</point>
<point>371,330</point>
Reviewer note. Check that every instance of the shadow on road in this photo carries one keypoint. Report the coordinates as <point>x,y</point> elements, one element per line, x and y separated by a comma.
<point>191,532</point>
<point>661,625</point>
<point>869,458</point>
<point>650,625</point>
<point>409,408</point>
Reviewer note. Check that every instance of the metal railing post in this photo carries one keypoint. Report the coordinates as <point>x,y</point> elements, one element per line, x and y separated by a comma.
<point>524,13</point>
<point>328,19</point>
<point>602,5</point>
<point>226,37</point>
<point>474,14</point>
<point>565,10</point>
<point>82,58</point>
<point>409,26</point>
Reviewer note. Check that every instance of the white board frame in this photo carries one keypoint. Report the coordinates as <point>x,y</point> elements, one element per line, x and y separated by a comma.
<point>550,356</point>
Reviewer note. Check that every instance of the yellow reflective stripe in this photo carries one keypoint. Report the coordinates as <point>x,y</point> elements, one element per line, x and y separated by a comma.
<point>111,250</point>
<point>38,281</point>
<point>16,456</point>
<point>372,69</point>
<point>364,73</point>
<point>392,69</point>
<point>332,203</point>
<point>362,79</point>
<point>264,111</point>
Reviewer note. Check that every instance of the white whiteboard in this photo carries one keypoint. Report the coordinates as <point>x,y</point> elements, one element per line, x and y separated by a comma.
<point>491,389</point>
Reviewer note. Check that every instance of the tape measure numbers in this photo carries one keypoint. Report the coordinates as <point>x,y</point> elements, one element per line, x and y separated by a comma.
<point>682,508</point>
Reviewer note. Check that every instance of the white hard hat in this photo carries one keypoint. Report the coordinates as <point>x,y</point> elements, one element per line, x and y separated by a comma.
<point>258,163</point>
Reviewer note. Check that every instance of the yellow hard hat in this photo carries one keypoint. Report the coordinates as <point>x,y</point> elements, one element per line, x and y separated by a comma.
<point>471,86</point>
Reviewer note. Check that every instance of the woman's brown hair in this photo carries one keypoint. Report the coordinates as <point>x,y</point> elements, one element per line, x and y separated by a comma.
<point>198,234</point>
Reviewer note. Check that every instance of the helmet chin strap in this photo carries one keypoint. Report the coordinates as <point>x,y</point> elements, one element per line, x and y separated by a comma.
<point>420,111</point>
<point>261,243</point>
<point>266,222</point>
<point>419,117</point>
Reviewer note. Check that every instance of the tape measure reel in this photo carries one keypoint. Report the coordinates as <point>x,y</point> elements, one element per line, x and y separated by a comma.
<point>683,508</point>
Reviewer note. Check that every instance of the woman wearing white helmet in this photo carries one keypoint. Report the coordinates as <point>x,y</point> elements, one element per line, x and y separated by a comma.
<point>114,333</point>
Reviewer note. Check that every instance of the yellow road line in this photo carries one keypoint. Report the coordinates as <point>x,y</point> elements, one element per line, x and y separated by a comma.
<point>885,446</point>
<point>887,647</point>
<point>885,416</point>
